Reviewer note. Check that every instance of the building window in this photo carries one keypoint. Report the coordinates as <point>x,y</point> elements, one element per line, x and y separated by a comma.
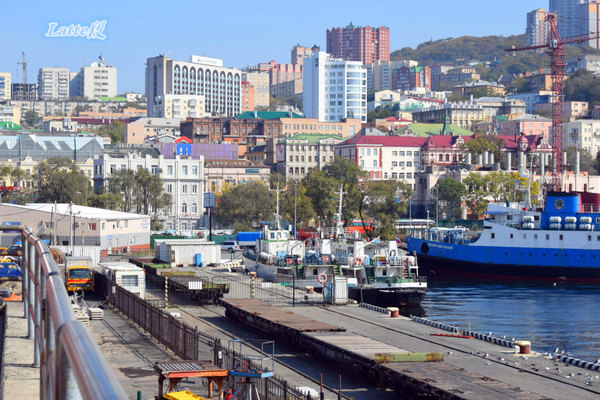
<point>184,208</point>
<point>184,169</point>
<point>194,189</point>
<point>170,169</point>
<point>154,169</point>
<point>184,189</point>
<point>195,170</point>
<point>194,208</point>
<point>169,188</point>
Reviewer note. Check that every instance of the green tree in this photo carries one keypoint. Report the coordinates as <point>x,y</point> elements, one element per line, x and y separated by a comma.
<point>385,202</point>
<point>476,185</point>
<point>150,196</point>
<point>31,118</point>
<point>482,143</point>
<point>587,163</point>
<point>123,183</point>
<point>379,113</point>
<point>115,130</point>
<point>60,180</point>
<point>320,189</point>
<point>345,172</point>
<point>304,209</point>
<point>107,201</point>
<point>451,191</point>
<point>245,204</point>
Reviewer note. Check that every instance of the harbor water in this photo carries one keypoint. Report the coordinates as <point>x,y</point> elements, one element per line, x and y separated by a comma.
<point>549,315</point>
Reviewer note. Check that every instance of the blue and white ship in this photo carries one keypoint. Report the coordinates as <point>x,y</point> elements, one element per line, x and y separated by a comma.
<point>559,243</point>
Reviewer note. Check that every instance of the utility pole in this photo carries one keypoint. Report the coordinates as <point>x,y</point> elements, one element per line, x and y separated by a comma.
<point>295,226</point>
<point>71,223</point>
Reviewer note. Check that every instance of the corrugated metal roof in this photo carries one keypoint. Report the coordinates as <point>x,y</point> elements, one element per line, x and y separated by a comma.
<point>79,211</point>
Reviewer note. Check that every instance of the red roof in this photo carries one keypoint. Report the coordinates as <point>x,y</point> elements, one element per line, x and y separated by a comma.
<point>184,139</point>
<point>397,141</point>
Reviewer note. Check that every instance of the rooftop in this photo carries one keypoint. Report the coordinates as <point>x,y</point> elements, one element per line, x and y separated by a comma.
<point>424,130</point>
<point>310,138</point>
<point>267,115</point>
<point>78,211</point>
<point>396,141</point>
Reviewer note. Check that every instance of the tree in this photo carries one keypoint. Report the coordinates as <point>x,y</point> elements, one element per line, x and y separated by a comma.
<point>31,118</point>
<point>60,180</point>
<point>482,143</point>
<point>114,130</point>
<point>320,188</point>
<point>344,172</point>
<point>304,209</point>
<point>451,191</point>
<point>108,201</point>
<point>587,163</point>
<point>379,113</point>
<point>384,205</point>
<point>123,183</point>
<point>245,204</point>
<point>476,192</point>
<point>150,196</point>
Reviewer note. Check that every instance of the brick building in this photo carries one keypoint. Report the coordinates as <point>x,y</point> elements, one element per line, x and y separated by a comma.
<point>356,43</point>
<point>412,78</point>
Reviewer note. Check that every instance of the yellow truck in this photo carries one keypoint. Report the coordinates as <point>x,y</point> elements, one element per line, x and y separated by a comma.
<point>79,274</point>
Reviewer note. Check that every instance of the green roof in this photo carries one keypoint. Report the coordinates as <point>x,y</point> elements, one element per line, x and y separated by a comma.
<point>424,130</point>
<point>121,99</point>
<point>310,138</point>
<point>502,117</point>
<point>9,126</point>
<point>267,115</point>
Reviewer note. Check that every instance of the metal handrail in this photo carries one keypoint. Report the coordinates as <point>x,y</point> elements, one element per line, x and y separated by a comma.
<point>71,364</point>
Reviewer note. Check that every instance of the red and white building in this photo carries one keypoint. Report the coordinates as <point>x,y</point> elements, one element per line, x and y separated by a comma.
<point>384,157</point>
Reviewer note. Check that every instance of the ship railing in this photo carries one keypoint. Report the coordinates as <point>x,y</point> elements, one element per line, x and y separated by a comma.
<point>591,208</point>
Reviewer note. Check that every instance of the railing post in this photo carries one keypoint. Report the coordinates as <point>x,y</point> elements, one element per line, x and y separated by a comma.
<point>31,291</point>
<point>24,269</point>
<point>37,342</point>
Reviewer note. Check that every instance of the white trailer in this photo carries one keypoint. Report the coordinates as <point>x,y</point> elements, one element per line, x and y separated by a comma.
<point>126,275</point>
<point>187,252</point>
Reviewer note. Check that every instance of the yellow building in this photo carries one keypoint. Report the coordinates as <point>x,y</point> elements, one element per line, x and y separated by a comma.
<point>296,126</point>
<point>5,85</point>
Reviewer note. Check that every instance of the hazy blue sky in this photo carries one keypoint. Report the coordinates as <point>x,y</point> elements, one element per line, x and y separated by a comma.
<point>240,32</point>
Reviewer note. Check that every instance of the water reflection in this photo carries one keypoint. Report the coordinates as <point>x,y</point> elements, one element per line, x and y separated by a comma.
<point>562,315</point>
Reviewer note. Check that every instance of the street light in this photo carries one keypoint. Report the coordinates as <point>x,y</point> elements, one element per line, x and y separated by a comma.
<point>295,185</point>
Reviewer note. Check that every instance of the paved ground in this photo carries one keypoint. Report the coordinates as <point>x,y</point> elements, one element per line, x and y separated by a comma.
<point>21,380</point>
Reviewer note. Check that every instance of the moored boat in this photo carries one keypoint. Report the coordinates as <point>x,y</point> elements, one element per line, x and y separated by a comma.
<point>560,242</point>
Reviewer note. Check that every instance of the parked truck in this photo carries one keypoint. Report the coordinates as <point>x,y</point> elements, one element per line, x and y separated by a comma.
<point>126,275</point>
<point>79,274</point>
<point>246,239</point>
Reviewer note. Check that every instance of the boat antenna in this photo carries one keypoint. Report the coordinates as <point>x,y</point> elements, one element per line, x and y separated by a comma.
<point>339,229</point>
<point>277,217</point>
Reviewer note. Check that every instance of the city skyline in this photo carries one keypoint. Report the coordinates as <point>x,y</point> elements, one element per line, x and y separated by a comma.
<point>234,32</point>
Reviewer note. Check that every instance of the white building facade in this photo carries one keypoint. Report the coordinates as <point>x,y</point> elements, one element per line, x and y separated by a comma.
<point>584,134</point>
<point>183,179</point>
<point>334,89</point>
<point>384,157</point>
<point>179,106</point>
<point>54,83</point>
<point>206,80</point>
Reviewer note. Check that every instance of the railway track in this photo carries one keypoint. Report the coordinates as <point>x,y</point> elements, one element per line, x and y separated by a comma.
<point>333,392</point>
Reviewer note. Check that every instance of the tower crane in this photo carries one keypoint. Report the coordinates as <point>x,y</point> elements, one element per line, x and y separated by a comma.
<point>555,44</point>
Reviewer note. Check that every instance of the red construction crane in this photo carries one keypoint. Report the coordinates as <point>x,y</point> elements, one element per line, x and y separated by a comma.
<point>557,64</point>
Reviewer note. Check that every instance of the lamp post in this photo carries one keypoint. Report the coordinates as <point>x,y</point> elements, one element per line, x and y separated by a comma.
<point>295,226</point>
<point>437,202</point>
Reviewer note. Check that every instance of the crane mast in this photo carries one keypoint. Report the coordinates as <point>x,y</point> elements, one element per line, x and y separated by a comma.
<point>557,54</point>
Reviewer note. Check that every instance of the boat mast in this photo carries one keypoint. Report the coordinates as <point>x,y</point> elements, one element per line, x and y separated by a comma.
<point>339,226</point>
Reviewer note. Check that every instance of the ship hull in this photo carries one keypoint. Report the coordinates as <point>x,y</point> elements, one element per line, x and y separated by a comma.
<point>387,297</point>
<point>479,262</point>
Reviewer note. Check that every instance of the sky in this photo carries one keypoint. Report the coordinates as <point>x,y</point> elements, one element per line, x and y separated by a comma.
<point>242,33</point>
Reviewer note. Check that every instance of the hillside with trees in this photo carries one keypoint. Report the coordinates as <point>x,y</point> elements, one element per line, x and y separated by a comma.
<point>485,49</point>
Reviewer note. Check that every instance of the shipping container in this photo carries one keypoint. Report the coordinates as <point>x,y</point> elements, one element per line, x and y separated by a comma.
<point>126,275</point>
<point>185,252</point>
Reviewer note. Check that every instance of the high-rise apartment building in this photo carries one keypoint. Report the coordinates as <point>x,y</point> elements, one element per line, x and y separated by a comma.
<point>203,77</point>
<point>299,53</point>
<point>379,74</point>
<point>53,83</point>
<point>95,81</point>
<point>5,85</point>
<point>570,16</point>
<point>247,96</point>
<point>591,22</point>
<point>355,43</point>
<point>412,78</point>
<point>536,32</point>
<point>334,89</point>
<point>260,83</point>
